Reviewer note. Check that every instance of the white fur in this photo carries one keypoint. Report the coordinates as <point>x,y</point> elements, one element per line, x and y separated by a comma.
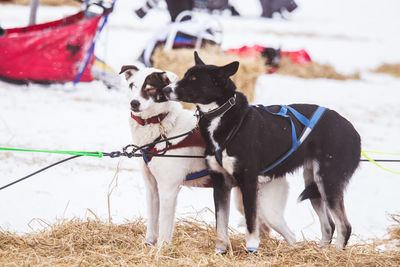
<point>273,196</point>
<point>163,176</point>
<point>173,96</point>
<point>228,162</point>
<point>211,129</point>
<point>271,202</point>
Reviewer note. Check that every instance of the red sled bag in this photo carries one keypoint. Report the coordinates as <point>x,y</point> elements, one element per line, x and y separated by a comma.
<point>48,52</point>
<point>272,56</point>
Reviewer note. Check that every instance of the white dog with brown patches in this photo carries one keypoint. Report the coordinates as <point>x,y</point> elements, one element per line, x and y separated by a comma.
<point>152,118</point>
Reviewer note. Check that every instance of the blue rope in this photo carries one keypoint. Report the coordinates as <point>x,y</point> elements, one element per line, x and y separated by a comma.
<point>91,49</point>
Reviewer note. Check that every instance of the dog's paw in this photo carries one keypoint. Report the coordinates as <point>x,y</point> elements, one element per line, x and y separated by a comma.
<point>151,243</point>
<point>251,249</point>
<point>220,251</point>
<point>323,243</point>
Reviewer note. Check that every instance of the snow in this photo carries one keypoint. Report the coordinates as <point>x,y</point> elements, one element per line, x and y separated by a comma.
<point>350,35</point>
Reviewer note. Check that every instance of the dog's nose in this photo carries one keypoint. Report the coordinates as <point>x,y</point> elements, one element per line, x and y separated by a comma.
<point>167,90</point>
<point>135,105</point>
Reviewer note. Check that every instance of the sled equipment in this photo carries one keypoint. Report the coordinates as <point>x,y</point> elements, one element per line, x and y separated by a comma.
<point>55,51</point>
<point>194,33</point>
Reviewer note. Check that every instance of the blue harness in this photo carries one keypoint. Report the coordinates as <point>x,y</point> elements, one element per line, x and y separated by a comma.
<point>296,142</point>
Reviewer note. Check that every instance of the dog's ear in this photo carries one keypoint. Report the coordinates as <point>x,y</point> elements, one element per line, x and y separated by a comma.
<point>229,69</point>
<point>129,70</point>
<point>197,59</point>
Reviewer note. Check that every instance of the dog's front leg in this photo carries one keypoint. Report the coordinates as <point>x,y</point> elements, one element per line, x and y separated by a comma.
<point>168,194</point>
<point>222,196</point>
<point>153,206</point>
<point>248,184</point>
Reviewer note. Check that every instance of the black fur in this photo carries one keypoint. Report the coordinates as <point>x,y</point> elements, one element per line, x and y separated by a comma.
<point>310,192</point>
<point>263,138</point>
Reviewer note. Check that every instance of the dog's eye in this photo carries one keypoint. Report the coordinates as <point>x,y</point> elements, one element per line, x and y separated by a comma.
<point>150,90</point>
<point>131,85</point>
<point>192,78</point>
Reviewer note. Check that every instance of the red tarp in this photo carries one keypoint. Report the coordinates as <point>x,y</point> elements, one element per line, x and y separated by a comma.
<point>49,52</point>
<point>300,57</point>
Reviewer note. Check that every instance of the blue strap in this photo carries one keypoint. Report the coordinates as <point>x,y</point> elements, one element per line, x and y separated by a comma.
<point>218,156</point>
<point>309,125</point>
<point>146,160</point>
<point>303,120</point>
<point>196,175</point>
<point>317,115</point>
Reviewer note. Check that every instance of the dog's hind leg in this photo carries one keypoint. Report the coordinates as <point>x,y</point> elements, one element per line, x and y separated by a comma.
<point>343,226</point>
<point>263,228</point>
<point>153,206</point>
<point>312,180</point>
<point>335,203</point>
<point>222,196</point>
<point>272,198</point>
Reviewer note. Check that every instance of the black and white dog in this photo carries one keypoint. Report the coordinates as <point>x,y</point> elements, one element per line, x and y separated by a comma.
<point>243,140</point>
<point>152,116</point>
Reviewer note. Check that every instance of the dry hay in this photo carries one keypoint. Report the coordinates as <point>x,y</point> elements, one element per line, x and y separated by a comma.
<point>311,70</point>
<point>47,2</point>
<point>180,60</point>
<point>391,69</point>
<point>92,242</point>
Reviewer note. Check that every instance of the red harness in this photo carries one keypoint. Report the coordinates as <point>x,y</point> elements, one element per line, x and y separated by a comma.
<point>192,140</point>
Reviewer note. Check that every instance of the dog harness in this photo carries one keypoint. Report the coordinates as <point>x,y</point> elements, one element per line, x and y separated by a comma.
<point>193,139</point>
<point>309,125</point>
<point>296,142</point>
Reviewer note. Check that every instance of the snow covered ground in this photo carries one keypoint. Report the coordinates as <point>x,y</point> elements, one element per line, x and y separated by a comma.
<point>351,35</point>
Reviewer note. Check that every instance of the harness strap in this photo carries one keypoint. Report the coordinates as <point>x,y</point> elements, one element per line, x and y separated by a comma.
<point>196,175</point>
<point>308,123</point>
<point>232,133</point>
<point>218,111</point>
<point>193,139</point>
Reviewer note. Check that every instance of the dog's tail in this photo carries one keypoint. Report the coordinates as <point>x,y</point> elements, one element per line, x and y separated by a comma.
<point>310,192</point>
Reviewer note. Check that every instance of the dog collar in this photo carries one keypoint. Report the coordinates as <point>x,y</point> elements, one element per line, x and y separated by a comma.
<point>155,119</point>
<point>218,111</point>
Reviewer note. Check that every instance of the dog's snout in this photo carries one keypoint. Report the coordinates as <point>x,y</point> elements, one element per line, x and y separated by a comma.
<point>167,90</point>
<point>135,105</point>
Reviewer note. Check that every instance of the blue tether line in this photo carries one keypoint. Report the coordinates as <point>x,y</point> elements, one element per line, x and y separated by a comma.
<point>91,49</point>
<point>296,142</point>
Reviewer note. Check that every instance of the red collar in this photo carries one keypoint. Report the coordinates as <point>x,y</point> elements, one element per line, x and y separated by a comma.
<point>155,119</point>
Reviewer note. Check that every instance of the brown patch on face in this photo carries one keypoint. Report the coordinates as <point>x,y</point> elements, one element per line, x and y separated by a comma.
<point>153,85</point>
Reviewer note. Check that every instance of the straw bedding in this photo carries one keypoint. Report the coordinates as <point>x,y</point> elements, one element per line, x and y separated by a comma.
<point>92,242</point>
<point>312,70</point>
<point>180,60</point>
<point>392,69</point>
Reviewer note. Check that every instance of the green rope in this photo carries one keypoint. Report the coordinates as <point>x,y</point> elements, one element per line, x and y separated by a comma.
<point>363,153</point>
<point>78,153</point>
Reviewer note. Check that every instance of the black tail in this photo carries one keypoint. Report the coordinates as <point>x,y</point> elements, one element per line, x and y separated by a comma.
<point>310,192</point>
